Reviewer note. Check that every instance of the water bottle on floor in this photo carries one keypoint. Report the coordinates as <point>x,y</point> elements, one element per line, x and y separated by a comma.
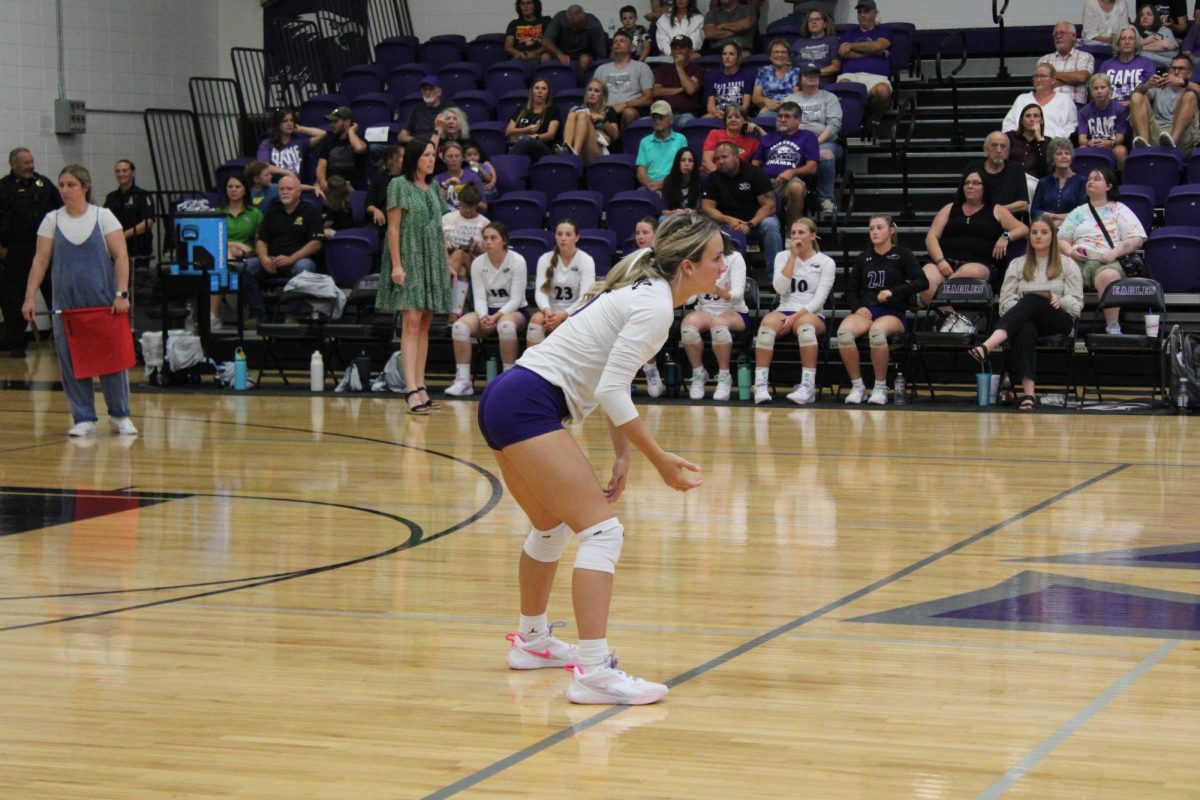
<point>900,389</point>
<point>316,372</point>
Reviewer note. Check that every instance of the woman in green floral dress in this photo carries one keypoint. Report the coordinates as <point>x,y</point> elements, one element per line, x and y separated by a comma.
<point>415,276</point>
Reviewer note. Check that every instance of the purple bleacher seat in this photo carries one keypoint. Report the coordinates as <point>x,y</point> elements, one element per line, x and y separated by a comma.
<point>519,209</point>
<point>582,205</point>
<point>634,133</point>
<point>531,243</point>
<point>396,50</point>
<point>566,100</point>
<point>697,130</point>
<point>479,105</point>
<point>1090,158</point>
<point>1100,52</point>
<point>1157,167</point>
<point>901,51</point>
<point>853,99</point>
<point>405,105</point>
<point>438,51</point>
<point>709,60</point>
<point>1140,200</point>
<point>509,103</point>
<point>405,80</point>
<point>737,237</point>
<point>611,174</point>
<point>512,172</point>
<point>489,136</point>
<point>757,60</point>
<point>1173,257</point>
<point>601,245</point>
<point>350,254</point>
<point>556,174</point>
<point>358,206</point>
<point>461,76</point>
<point>371,110</point>
<point>1193,167</point>
<point>314,110</point>
<point>506,76</point>
<point>1183,206</point>
<point>362,79</point>
<point>785,25</point>
<point>486,49</point>
<point>559,76</point>
<point>624,209</point>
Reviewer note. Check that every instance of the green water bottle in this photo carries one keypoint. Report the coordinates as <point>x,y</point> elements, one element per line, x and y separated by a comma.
<point>493,368</point>
<point>744,379</point>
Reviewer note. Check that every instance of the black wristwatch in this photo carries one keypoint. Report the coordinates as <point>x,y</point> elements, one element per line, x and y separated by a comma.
<point>122,295</point>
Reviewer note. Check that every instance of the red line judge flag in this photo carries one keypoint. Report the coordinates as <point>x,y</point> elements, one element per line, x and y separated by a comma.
<point>100,341</point>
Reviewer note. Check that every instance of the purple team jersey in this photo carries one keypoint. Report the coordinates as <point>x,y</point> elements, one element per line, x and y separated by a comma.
<point>728,89</point>
<point>779,153</point>
<point>1104,124</point>
<point>1127,77</point>
<point>876,64</point>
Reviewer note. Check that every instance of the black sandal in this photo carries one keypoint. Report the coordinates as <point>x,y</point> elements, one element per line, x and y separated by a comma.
<point>420,408</point>
<point>980,352</point>
<point>1028,403</point>
<point>430,403</point>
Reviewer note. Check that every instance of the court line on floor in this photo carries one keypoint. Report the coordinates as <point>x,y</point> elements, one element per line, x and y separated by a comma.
<point>526,753</point>
<point>1051,742</point>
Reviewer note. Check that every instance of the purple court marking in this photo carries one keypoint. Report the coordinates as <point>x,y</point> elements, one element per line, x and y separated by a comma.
<point>1174,556</point>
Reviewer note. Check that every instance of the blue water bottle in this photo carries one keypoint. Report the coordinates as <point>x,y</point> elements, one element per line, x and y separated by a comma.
<point>239,370</point>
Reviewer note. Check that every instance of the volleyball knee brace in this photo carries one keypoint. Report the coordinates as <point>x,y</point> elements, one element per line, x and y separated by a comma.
<point>507,331</point>
<point>547,546</point>
<point>460,332</point>
<point>536,334</point>
<point>689,335</point>
<point>600,546</point>
<point>721,335</point>
<point>877,337</point>
<point>806,335</point>
<point>845,339</point>
<point>765,339</point>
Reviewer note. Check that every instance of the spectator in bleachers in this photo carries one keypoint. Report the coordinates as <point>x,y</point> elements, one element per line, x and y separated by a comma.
<point>523,36</point>
<point>422,120</point>
<point>1104,122</point>
<point>638,35</point>
<point>968,237</point>
<point>133,207</point>
<point>722,313</point>
<point>1041,296</point>
<point>1058,109</point>
<point>880,288</point>
<point>390,165</point>
<point>1128,68</point>
<point>286,143</point>
<point>498,279</point>
<point>287,242</point>
<point>684,19</point>
<point>563,275</point>
<point>1104,19</point>
<point>740,196</point>
<point>1163,109</point>
<point>643,237</point>
<point>1005,180</point>
<point>1082,238</point>
<point>413,276</point>
<point>1062,191</point>
<point>456,176</point>
<point>680,82</point>
<point>775,81</point>
<point>242,222</point>
<point>802,8</point>
<point>26,196</point>
<point>263,193</point>
<point>739,130</point>
<point>802,278</point>
<point>658,8</point>
<point>343,152</point>
<point>731,84</point>
<point>574,34</point>
<point>789,157</point>
<point>821,115</point>
<point>819,45</point>
<point>864,55</point>
<point>1072,66</point>
<point>1158,40</point>
<point>1027,145</point>
<point>1191,41</point>
<point>1173,14</point>
<point>729,22</point>
<point>462,231</point>
<point>452,126</point>
<point>681,188</point>
<point>337,213</point>
<point>533,129</point>
<point>656,152</point>
<point>630,83</point>
<point>487,173</point>
<point>593,126</point>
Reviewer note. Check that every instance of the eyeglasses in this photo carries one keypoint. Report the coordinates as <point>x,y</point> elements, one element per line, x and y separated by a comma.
<point>1178,69</point>
<point>972,183</point>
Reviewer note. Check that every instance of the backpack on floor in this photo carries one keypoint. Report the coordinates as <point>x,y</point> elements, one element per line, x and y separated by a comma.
<point>1183,367</point>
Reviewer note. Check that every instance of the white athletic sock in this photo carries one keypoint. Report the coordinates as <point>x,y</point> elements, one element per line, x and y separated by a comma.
<point>857,383</point>
<point>593,654</point>
<point>723,373</point>
<point>762,374</point>
<point>533,628</point>
<point>880,385</point>
<point>462,372</point>
<point>808,377</point>
<point>508,366</point>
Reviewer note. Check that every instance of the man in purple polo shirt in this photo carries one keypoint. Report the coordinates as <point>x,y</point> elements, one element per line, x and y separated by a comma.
<point>864,55</point>
<point>789,158</point>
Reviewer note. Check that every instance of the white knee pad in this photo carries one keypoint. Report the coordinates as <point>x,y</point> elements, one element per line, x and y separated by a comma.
<point>535,334</point>
<point>877,337</point>
<point>547,546</point>
<point>845,339</point>
<point>721,335</point>
<point>507,331</point>
<point>689,335</point>
<point>806,335</point>
<point>460,332</point>
<point>600,546</point>
<point>765,339</point>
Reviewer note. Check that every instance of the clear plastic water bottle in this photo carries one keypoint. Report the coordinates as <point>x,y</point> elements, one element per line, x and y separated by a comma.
<point>1181,396</point>
<point>612,27</point>
<point>901,389</point>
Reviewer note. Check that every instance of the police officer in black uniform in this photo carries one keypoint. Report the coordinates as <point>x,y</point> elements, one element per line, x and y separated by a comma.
<point>25,197</point>
<point>134,209</point>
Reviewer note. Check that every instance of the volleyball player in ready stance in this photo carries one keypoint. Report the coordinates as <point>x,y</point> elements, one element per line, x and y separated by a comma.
<point>590,361</point>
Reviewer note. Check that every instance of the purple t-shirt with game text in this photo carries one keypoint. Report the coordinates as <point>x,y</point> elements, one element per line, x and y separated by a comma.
<point>876,64</point>
<point>1127,77</point>
<point>1104,124</point>
<point>728,89</point>
<point>778,153</point>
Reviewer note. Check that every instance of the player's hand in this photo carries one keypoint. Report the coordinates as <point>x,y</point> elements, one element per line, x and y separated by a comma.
<point>675,473</point>
<point>616,486</point>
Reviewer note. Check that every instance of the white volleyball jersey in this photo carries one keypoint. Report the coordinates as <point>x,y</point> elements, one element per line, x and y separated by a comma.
<point>809,285</point>
<point>500,287</point>
<point>595,354</point>
<point>568,283</point>
<point>734,280</point>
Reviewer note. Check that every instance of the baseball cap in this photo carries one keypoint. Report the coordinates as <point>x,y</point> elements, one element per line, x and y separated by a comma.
<point>809,68</point>
<point>341,112</point>
<point>681,40</point>
<point>867,5</point>
<point>430,80</point>
<point>661,107</point>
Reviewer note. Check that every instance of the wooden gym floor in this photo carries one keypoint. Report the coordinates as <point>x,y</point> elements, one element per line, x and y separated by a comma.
<point>294,597</point>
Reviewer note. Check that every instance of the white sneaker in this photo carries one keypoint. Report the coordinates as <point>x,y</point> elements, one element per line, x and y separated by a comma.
<point>610,686</point>
<point>1165,139</point>
<point>1139,141</point>
<point>696,390</point>
<point>82,429</point>
<point>856,396</point>
<point>462,387</point>
<point>542,653</point>
<point>827,206</point>
<point>762,393</point>
<point>1114,330</point>
<point>122,426</point>
<point>654,384</point>
<point>957,323</point>
<point>878,396</point>
<point>215,324</point>
<point>724,387</point>
<point>804,395</point>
